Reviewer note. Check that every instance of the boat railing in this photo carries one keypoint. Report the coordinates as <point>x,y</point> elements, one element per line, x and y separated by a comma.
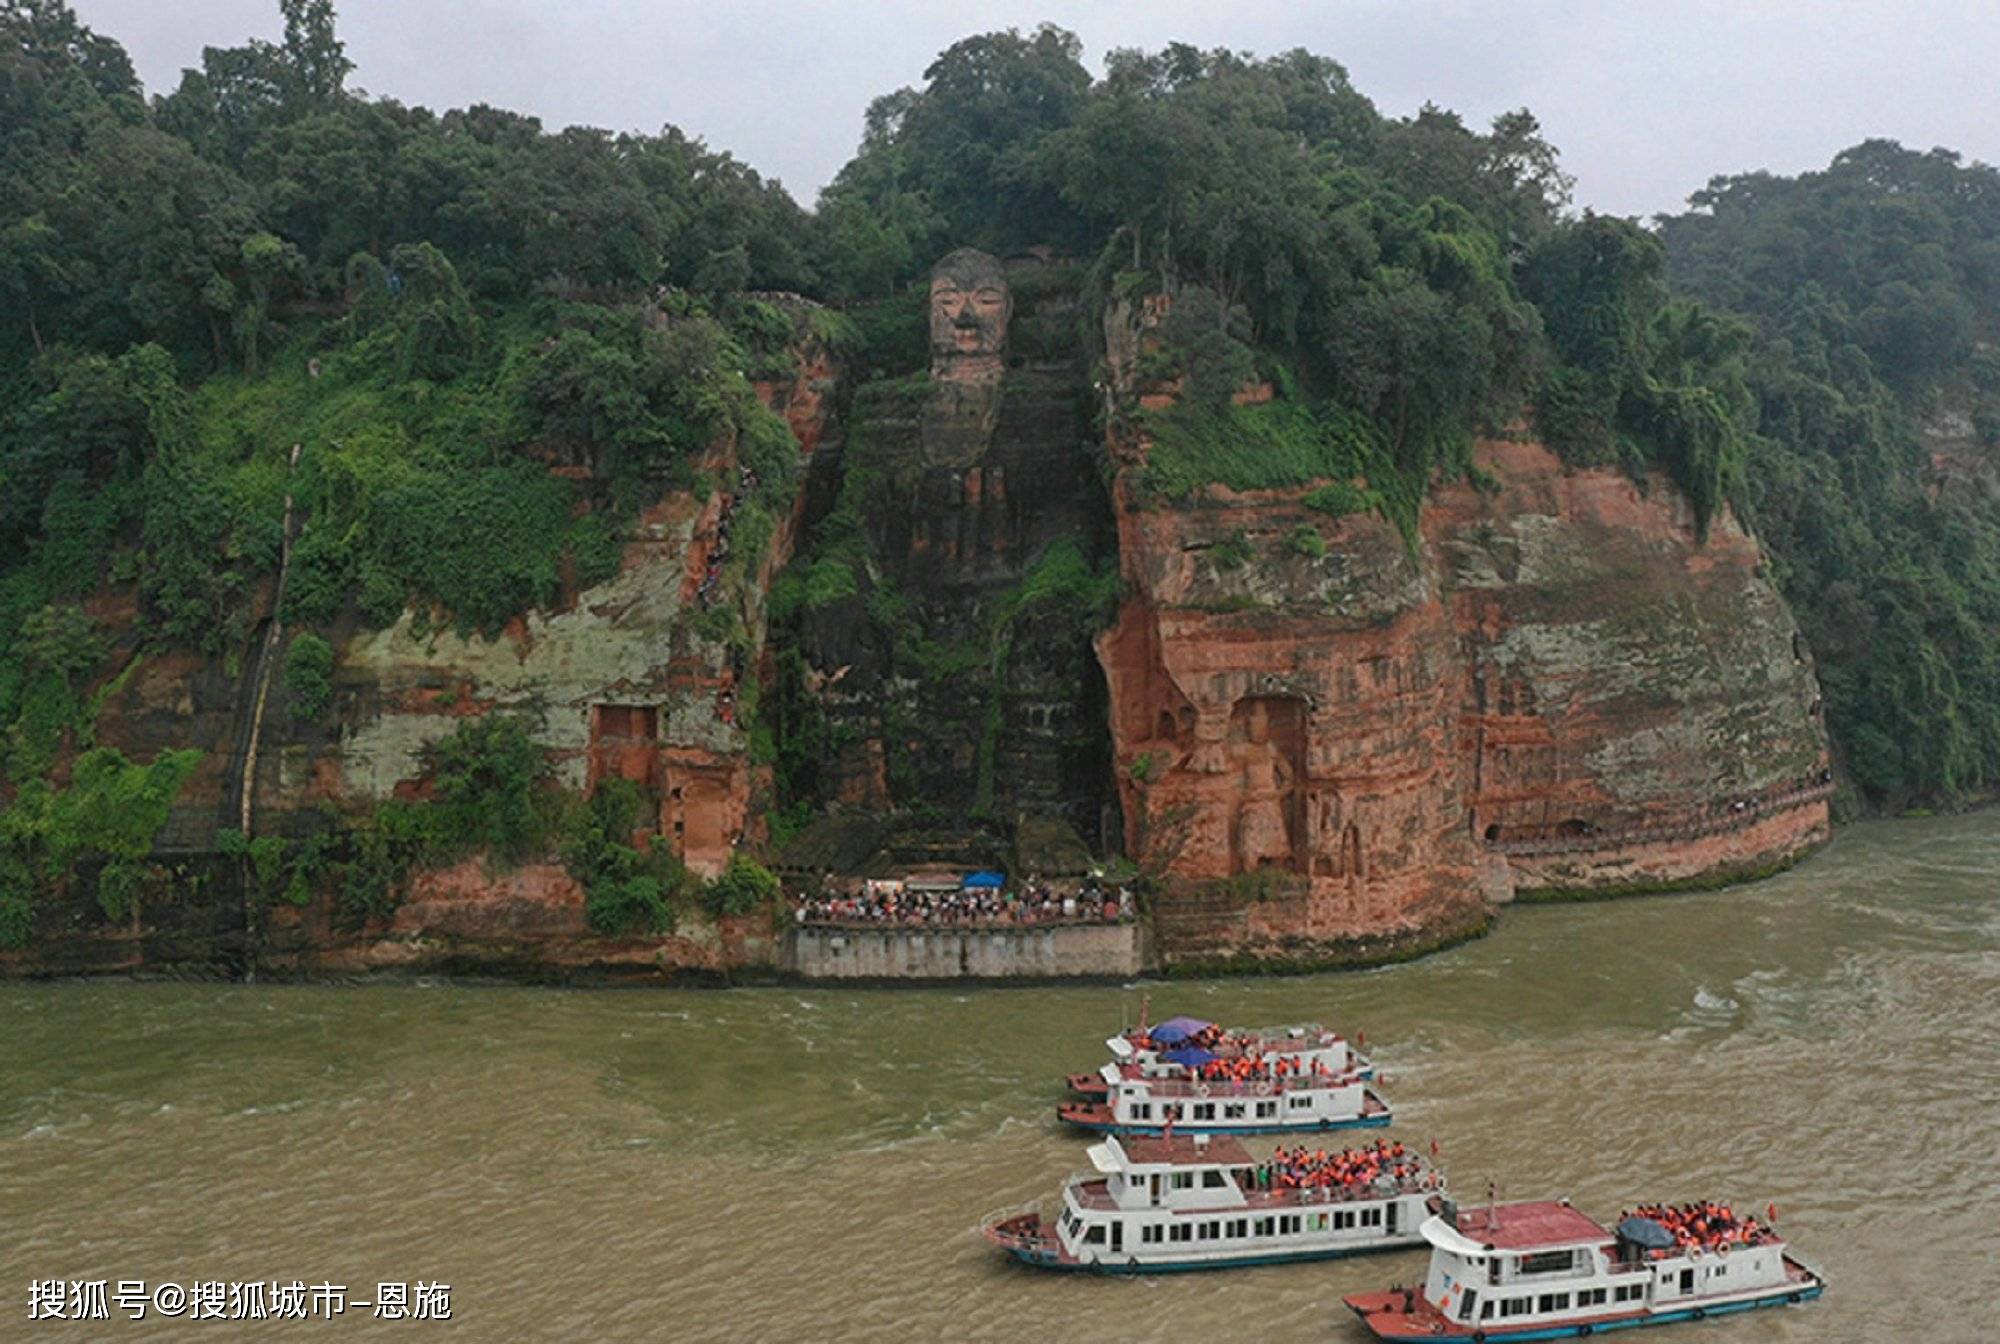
<point>1208,1089</point>
<point>1091,1191</point>
<point>1343,1194</point>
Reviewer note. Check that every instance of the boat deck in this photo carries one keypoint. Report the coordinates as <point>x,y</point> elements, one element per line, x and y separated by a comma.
<point>1097,1115</point>
<point>1406,1315</point>
<point>1096,1196</point>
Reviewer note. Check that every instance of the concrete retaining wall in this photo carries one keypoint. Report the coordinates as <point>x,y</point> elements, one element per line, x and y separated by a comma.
<point>838,953</point>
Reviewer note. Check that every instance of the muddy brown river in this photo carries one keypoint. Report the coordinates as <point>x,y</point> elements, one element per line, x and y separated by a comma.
<point>807,1163</point>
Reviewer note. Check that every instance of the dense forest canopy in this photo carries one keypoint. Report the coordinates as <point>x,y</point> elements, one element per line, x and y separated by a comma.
<point>433,307</point>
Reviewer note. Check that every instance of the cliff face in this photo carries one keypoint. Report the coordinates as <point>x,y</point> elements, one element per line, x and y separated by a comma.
<point>648,677</point>
<point>1639,709</point>
<point>1334,739</point>
<point>1290,717</point>
<point>1558,688</point>
<point>1337,742</point>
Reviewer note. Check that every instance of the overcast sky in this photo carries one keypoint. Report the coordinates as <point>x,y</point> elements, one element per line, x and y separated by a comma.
<point>1646,98</point>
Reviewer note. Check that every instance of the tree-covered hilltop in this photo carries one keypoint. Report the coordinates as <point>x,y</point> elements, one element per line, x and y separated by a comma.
<point>1869,296</point>
<point>436,308</point>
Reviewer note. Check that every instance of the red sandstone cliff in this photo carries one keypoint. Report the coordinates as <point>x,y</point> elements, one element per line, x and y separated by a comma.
<point>1558,688</point>
<point>1332,743</point>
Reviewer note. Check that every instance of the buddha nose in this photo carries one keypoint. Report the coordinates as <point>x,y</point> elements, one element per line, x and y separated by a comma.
<point>967,315</point>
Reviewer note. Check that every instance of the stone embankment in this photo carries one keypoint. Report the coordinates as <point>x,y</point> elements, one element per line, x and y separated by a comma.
<point>970,952</point>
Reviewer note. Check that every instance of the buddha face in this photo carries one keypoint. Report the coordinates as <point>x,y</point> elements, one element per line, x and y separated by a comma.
<point>970,307</point>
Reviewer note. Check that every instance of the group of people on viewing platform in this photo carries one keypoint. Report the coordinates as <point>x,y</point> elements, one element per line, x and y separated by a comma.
<point>1706,1226</point>
<point>1034,902</point>
<point>1298,1168</point>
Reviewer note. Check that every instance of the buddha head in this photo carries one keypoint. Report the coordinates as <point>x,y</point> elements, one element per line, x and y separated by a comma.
<point>970,307</point>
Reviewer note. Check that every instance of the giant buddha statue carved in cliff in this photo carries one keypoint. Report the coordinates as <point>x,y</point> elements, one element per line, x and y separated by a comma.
<point>970,308</point>
<point>1267,781</point>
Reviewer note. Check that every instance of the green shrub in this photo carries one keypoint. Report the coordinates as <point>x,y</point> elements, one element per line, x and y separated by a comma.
<point>309,675</point>
<point>265,869</point>
<point>745,886</point>
<point>1337,499</point>
<point>61,639</point>
<point>380,853</point>
<point>488,775</point>
<point>627,892</point>
<point>1306,541</point>
<point>17,914</point>
<point>118,886</point>
<point>1231,553</point>
<point>319,578</point>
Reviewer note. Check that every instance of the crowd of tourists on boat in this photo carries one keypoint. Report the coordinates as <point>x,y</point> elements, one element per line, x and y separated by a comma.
<point>1298,1168</point>
<point>1271,1068</point>
<point>1706,1226</point>
<point>1032,903</point>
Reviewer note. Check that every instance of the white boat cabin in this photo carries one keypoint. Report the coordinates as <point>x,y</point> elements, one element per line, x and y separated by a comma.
<point>1516,1265</point>
<point>1253,1106</point>
<point>1195,1201</point>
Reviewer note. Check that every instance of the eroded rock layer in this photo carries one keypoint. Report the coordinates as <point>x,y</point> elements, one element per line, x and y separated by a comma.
<point>1338,743</point>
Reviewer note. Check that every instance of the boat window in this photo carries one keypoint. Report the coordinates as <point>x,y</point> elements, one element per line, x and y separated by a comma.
<point>1181,1232</point>
<point>1548,1262</point>
<point>1239,1227</point>
<point>1298,1102</point>
<point>1233,1111</point>
<point>1211,1231</point>
<point>1289,1224</point>
<point>1183,1180</point>
<point>1212,1180</point>
<point>1629,1292</point>
<point>1150,1235</point>
<point>1590,1297</point>
<point>1094,1237</point>
<point>1469,1304</point>
<point>1517,1306</point>
<point>1553,1302</point>
<point>1266,1109</point>
<point>1264,1226</point>
<point>1372,1217</point>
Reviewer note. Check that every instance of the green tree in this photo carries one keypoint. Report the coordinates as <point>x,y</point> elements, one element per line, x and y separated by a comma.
<point>309,675</point>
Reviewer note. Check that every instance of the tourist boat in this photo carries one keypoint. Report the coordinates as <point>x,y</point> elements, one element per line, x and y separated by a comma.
<point>1193,1105</point>
<point>1156,1206</point>
<point>1173,1047</point>
<point>1545,1271</point>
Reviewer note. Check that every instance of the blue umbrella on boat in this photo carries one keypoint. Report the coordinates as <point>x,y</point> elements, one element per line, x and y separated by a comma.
<point>1646,1233</point>
<point>1189,1056</point>
<point>1176,1029</point>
